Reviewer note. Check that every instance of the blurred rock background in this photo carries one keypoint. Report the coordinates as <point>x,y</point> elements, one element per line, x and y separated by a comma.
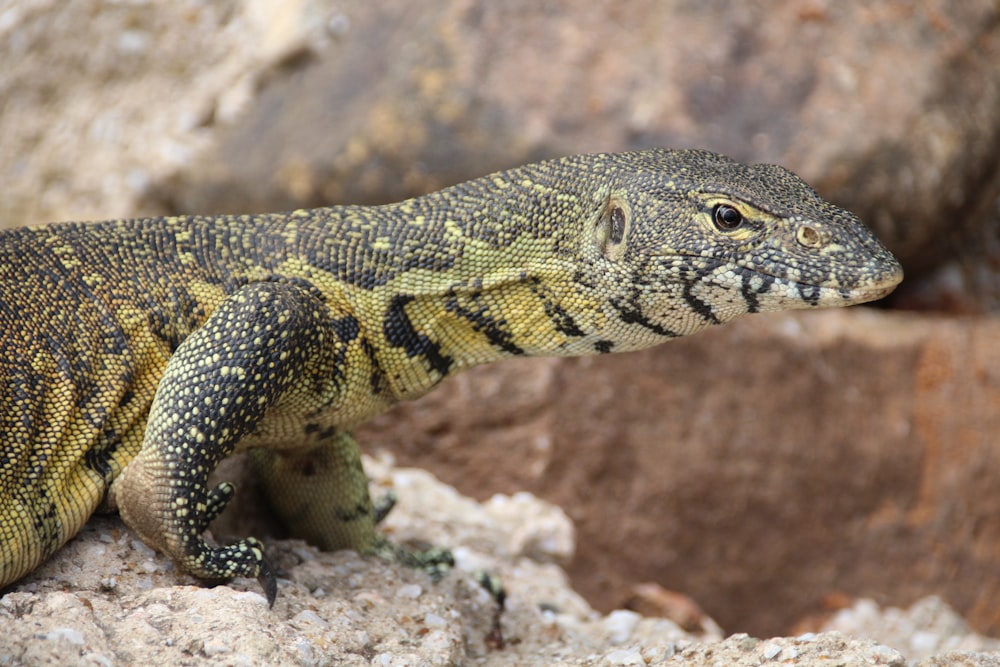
<point>773,469</point>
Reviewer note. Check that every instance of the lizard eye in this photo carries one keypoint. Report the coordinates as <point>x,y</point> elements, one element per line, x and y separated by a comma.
<point>726,217</point>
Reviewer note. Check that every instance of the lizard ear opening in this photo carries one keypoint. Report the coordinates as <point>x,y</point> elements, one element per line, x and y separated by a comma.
<point>612,229</point>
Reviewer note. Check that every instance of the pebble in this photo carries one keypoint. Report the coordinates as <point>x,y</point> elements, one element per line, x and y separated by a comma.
<point>625,657</point>
<point>305,650</point>
<point>309,617</point>
<point>70,635</point>
<point>771,651</point>
<point>620,624</point>
<point>923,641</point>
<point>433,620</point>
<point>213,647</point>
<point>338,25</point>
<point>305,554</point>
<point>410,591</point>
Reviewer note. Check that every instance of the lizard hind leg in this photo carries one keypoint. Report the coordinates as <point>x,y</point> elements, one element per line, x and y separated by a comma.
<point>320,493</point>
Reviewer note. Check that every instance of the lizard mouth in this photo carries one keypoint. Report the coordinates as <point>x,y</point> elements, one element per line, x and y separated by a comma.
<point>870,290</point>
<point>866,294</point>
<point>875,292</point>
<point>767,289</point>
<point>841,285</point>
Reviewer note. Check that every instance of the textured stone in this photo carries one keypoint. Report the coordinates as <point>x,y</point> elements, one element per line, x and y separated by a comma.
<point>101,99</point>
<point>927,629</point>
<point>106,600</point>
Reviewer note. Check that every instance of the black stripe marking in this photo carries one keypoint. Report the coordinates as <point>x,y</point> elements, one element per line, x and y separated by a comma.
<point>483,322</point>
<point>399,332</point>
<point>377,377</point>
<point>347,328</point>
<point>809,293</point>
<point>100,456</point>
<point>321,432</point>
<point>697,305</point>
<point>563,321</point>
<point>604,346</point>
<point>750,294</point>
<point>356,513</point>
<point>631,313</point>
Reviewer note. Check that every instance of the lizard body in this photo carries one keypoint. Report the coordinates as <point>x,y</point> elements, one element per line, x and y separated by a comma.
<point>137,354</point>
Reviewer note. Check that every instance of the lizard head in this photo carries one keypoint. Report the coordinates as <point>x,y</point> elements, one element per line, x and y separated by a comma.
<point>680,240</point>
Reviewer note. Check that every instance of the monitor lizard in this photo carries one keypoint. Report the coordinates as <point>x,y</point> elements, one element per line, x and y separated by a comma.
<point>137,354</point>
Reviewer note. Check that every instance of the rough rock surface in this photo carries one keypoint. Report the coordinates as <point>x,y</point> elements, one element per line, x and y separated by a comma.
<point>101,99</point>
<point>928,628</point>
<point>106,599</point>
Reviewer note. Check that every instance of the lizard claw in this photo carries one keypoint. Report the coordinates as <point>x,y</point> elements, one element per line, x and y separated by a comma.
<point>269,582</point>
<point>382,506</point>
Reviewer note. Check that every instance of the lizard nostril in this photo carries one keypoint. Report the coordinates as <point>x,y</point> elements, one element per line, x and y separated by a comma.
<point>809,237</point>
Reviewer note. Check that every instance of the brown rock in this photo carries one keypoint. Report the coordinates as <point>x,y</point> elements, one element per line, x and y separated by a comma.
<point>757,467</point>
<point>651,599</point>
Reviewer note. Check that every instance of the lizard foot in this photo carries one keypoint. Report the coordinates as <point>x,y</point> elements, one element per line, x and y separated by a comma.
<point>435,561</point>
<point>244,558</point>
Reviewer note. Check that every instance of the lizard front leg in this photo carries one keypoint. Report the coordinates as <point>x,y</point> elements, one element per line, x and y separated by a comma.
<point>251,356</point>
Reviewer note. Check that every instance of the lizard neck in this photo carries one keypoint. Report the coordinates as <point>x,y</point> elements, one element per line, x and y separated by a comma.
<point>461,277</point>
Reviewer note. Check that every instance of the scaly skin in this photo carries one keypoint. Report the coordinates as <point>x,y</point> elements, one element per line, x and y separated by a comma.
<point>137,354</point>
